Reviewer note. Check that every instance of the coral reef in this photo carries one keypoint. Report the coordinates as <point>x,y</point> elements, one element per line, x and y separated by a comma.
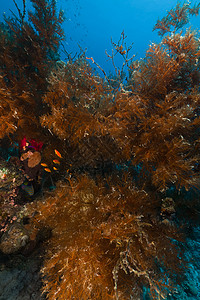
<point>128,156</point>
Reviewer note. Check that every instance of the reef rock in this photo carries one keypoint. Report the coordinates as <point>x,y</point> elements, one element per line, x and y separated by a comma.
<point>15,239</point>
<point>10,175</point>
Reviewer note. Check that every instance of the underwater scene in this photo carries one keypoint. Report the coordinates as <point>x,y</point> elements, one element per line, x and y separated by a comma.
<point>99,150</point>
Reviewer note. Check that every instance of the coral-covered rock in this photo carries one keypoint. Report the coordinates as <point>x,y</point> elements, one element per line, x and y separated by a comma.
<point>15,239</point>
<point>10,176</point>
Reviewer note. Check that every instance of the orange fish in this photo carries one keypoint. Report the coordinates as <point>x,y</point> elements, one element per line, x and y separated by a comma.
<point>56,161</point>
<point>55,168</point>
<point>43,164</point>
<point>47,170</point>
<point>58,153</point>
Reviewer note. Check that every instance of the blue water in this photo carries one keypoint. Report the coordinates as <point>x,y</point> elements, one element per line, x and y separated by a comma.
<point>91,25</point>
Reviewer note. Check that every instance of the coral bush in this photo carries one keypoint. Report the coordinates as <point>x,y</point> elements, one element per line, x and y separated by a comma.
<point>28,49</point>
<point>11,111</point>
<point>108,236</point>
<point>161,137</point>
<point>78,99</point>
<point>153,121</point>
<point>176,18</point>
<point>103,241</point>
<point>157,124</point>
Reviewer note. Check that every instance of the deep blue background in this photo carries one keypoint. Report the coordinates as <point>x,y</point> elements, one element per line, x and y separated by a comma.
<point>92,23</point>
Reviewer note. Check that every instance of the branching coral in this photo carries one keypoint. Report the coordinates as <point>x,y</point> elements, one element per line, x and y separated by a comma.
<point>11,108</point>
<point>107,237</point>
<point>160,136</point>
<point>157,123</point>
<point>28,49</point>
<point>78,100</point>
<point>176,18</point>
<point>171,65</point>
<point>102,237</point>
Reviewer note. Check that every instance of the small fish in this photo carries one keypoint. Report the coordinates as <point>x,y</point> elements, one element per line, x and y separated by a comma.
<point>44,165</point>
<point>47,170</point>
<point>56,161</point>
<point>28,188</point>
<point>58,153</point>
<point>67,170</point>
<point>55,168</point>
